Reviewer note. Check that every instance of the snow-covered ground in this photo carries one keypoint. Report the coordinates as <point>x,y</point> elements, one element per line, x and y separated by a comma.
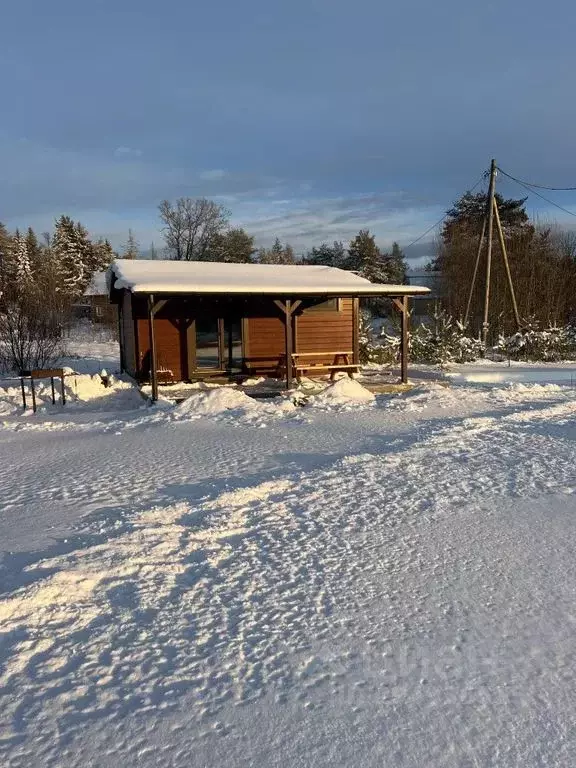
<point>362,581</point>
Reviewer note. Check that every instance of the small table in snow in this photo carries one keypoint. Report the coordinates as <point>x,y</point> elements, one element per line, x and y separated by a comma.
<point>42,373</point>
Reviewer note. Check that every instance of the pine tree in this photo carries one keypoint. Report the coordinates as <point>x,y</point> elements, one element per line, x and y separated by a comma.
<point>153,252</point>
<point>288,255</point>
<point>327,255</point>
<point>102,255</point>
<point>20,262</point>
<point>131,248</point>
<point>395,265</point>
<point>5,253</point>
<point>233,246</point>
<point>467,214</point>
<point>365,259</point>
<point>70,251</point>
<point>277,254</point>
<point>34,250</point>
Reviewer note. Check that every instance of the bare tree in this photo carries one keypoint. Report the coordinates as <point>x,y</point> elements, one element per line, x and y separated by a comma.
<point>30,331</point>
<point>190,227</point>
<point>32,308</point>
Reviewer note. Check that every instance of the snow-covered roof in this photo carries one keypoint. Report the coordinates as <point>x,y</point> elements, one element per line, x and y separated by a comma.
<point>141,276</point>
<point>97,286</point>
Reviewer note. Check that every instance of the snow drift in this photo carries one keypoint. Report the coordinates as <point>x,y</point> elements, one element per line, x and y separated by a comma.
<point>231,403</point>
<point>83,391</point>
<point>343,392</point>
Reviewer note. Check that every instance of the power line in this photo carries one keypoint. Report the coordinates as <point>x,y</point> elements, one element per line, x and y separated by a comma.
<point>538,186</point>
<point>436,224</point>
<point>533,192</point>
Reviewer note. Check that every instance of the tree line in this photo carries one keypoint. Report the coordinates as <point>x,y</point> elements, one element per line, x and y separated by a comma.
<point>199,230</point>
<point>40,279</point>
<point>542,261</point>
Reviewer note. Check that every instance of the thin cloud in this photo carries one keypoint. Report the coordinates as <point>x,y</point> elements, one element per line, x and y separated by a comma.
<point>127,152</point>
<point>217,174</point>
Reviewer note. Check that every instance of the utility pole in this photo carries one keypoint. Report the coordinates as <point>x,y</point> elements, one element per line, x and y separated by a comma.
<point>490,214</point>
<point>507,265</point>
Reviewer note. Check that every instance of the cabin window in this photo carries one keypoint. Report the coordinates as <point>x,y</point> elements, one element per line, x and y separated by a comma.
<point>330,305</point>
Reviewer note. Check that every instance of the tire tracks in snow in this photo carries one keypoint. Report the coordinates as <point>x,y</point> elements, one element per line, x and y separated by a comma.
<point>231,598</point>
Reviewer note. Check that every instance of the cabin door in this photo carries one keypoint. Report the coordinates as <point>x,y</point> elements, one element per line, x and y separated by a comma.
<point>232,327</point>
<point>207,342</point>
<point>218,343</point>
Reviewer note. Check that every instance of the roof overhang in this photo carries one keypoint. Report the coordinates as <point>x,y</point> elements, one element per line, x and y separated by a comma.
<point>276,282</point>
<point>391,291</point>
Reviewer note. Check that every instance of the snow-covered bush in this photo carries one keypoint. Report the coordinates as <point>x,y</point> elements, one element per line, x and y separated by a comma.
<point>439,342</point>
<point>548,345</point>
<point>382,350</point>
<point>30,334</point>
<point>442,341</point>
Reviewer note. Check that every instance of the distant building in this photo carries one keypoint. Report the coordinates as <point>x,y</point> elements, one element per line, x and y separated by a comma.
<point>95,304</point>
<point>424,306</point>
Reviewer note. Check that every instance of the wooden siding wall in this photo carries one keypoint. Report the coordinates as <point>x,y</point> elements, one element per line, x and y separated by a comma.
<point>264,342</point>
<point>170,355</point>
<point>315,331</point>
<point>128,339</point>
<point>325,331</point>
<point>170,336</point>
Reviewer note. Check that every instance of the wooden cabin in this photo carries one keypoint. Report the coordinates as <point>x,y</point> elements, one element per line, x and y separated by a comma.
<point>183,321</point>
<point>95,303</point>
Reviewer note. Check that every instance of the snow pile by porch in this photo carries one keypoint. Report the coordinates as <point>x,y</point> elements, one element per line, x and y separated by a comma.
<point>344,392</point>
<point>229,402</point>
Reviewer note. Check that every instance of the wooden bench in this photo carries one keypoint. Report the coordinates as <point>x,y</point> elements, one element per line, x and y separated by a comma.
<point>341,363</point>
<point>164,376</point>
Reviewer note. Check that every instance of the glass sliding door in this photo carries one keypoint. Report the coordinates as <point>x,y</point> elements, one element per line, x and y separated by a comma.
<point>207,342</point>
<point>233,342</point>
<point>218,343</point>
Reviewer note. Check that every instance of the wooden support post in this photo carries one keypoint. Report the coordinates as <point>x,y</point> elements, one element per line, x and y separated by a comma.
<point>289,341</point>
<point>62,389</point>
<point>404,341</point>
<point>190,346</point>
<point>491,202</point>
<point>356,330</point>
<point>33,394</point>
<point>402,306</point>
<point>230,345</point>
<point>506,264</point>
<point>221,344</point>
<point>23,391</point>
<point>476,265</point>
<point>153,368</point>
<point>121,338</point>
<point>53,393</point>
<point>288,307</point>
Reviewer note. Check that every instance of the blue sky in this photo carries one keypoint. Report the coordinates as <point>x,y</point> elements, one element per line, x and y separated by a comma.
<point>308,119</point>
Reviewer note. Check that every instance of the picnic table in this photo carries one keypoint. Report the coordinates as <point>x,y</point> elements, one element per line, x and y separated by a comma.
<point>310,362</point>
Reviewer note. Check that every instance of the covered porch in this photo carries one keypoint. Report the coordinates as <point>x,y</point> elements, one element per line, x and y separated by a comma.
<point>229,342</point>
